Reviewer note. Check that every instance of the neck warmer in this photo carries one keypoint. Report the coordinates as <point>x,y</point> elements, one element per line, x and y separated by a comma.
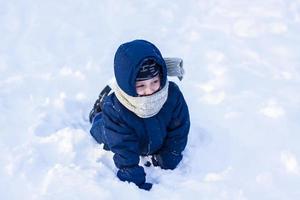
<point>145,106</point>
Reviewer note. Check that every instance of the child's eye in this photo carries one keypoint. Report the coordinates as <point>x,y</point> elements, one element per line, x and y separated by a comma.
<point>140,86</point>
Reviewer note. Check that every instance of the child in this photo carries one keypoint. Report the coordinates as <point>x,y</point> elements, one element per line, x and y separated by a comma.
<point>145,115</point>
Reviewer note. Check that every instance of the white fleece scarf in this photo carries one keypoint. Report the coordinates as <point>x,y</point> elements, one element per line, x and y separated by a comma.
<point>145,106</point>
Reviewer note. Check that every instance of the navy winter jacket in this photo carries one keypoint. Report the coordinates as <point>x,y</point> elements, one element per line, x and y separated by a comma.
<point>129,136</point>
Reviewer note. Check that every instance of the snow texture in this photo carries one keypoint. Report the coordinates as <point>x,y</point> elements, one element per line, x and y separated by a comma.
<point>242,82</point>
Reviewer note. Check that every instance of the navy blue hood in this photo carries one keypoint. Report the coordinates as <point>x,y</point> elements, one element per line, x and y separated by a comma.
<point>128,60</point>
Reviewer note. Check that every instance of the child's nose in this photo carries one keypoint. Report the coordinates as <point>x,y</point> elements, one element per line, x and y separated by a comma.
<point>149,91</point>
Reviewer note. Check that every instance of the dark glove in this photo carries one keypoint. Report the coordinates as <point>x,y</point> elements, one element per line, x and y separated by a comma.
<point>166,160</point>
<point>146,186</point>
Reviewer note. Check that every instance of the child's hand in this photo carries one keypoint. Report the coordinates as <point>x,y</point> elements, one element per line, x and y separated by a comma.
<point>166,160</point>
<point>146,186</point>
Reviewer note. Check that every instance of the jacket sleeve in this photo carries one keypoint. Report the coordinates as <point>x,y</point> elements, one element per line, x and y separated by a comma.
<point>170,154</point>
<point>123,143</point>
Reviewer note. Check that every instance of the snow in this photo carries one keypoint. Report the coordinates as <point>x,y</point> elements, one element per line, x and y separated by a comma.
<point>242,81</point>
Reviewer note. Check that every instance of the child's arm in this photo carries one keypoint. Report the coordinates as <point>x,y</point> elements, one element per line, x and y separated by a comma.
<point>123,143</point>
<point>170,154</point>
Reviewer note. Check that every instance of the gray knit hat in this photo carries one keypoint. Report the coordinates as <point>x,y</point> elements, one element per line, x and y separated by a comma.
<point>148,69</point>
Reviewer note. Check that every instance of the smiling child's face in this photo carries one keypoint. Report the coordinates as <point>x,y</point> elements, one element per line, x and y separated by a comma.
<point>148,87</point>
